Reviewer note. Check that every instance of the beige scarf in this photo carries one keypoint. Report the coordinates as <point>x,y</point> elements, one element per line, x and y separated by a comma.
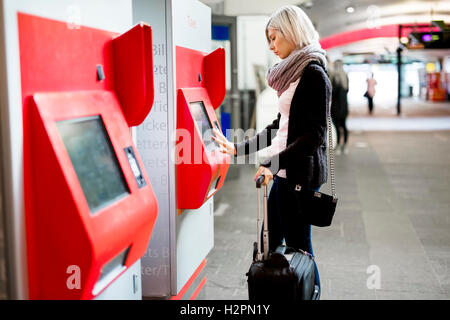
<point>290,69</point>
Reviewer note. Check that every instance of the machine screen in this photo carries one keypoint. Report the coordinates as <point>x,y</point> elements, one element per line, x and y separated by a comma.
<point>94,161</point>
<point>203,124</point>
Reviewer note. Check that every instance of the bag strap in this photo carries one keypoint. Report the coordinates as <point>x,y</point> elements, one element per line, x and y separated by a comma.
<point>330,147</point>
<point>331,154</point>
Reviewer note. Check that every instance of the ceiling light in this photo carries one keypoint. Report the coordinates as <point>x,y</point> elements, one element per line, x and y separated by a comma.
<point>350,9</point>
<point>404,40</point>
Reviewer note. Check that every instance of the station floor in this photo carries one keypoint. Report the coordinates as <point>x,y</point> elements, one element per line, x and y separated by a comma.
<point>390,238</point>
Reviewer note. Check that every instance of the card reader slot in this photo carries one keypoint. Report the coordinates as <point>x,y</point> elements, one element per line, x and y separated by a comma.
<point>110,271</point>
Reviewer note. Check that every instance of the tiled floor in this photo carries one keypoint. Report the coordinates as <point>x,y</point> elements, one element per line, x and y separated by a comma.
<point>390,238</point>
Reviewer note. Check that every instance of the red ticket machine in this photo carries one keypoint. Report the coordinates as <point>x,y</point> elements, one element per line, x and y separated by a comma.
<point>89,206</point>
<point>436,91</point>
<point>201,168</point>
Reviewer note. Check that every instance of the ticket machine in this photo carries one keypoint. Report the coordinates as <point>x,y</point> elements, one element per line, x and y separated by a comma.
<point>90,208</point>
<point>201,167</point>
<point>187,171</point>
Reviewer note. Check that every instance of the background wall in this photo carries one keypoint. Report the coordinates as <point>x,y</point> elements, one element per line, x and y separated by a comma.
<point>252,48</point>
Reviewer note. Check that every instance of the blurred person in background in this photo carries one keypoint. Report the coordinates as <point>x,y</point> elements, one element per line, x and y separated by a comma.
<point>298,149</point>
<point>370,93</point>
<point>339,105</point>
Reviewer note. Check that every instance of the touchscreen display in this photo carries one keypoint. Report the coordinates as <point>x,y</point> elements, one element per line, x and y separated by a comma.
<point>94,161</point>
<point>203,124</point>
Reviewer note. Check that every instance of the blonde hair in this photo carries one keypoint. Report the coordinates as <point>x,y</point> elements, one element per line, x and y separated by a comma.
<point>293,23</point>
<point>339,74</point>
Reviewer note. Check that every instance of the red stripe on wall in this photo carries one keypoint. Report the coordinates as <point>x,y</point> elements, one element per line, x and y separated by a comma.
<point>199,288</point>
<point>387,31</point>
<point>185,288</point>
<point>344,38</point>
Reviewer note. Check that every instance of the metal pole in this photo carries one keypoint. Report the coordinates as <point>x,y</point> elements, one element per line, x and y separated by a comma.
<point>399,70</point>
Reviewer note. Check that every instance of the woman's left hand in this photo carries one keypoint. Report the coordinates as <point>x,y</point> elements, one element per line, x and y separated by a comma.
<point>267,174</point>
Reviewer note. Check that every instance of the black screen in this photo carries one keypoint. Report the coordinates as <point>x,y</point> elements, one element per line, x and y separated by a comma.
<point>94,161</point>
<point>203,124</point>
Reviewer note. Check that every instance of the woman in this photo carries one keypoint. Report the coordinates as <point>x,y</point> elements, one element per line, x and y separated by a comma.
<point>339,105</point>
<point>370,93</point>
<point>299,147</point>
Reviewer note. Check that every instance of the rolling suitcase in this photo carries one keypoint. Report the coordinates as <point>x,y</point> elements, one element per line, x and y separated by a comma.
<point>284,275</point>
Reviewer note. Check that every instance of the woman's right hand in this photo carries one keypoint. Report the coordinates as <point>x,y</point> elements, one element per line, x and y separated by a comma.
<point>225,145</point>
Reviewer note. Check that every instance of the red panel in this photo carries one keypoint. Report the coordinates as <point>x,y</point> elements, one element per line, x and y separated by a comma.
<point>133,71</point>
<point>59,81</point>
<point>48,249</point>
<point>214,66</point>
<point>200,77</point>
<point>61,229</point>
<point>56,58</point>
<point>189,67</point>
<point>210,67</point>
<point>197,174</point>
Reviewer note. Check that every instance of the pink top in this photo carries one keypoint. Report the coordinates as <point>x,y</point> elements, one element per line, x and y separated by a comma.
<point>284,106</point>
<point>371,83</point>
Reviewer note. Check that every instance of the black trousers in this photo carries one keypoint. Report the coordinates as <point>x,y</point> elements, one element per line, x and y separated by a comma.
<point>370,102</point>
<point>285,221</point>
<point>340,124</point>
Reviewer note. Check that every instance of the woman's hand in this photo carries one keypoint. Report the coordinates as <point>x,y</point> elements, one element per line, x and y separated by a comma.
<point>267,175</point>
<point>225,145</point>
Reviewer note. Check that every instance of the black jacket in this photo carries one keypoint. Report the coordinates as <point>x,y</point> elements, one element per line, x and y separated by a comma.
<point>339,103</point>
<point>305,156</point>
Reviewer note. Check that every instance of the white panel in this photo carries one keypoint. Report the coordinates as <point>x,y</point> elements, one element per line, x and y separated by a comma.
<point>112,15</point>
<point>192,25</point>
<point>126,287</point>
<point>247,7</point>
<point>195,238</point>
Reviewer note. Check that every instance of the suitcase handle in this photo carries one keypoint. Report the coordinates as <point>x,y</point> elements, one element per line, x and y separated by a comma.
<point>259,182</point>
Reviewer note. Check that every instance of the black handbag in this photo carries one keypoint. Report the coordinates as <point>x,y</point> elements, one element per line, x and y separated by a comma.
<point>318,208</point>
